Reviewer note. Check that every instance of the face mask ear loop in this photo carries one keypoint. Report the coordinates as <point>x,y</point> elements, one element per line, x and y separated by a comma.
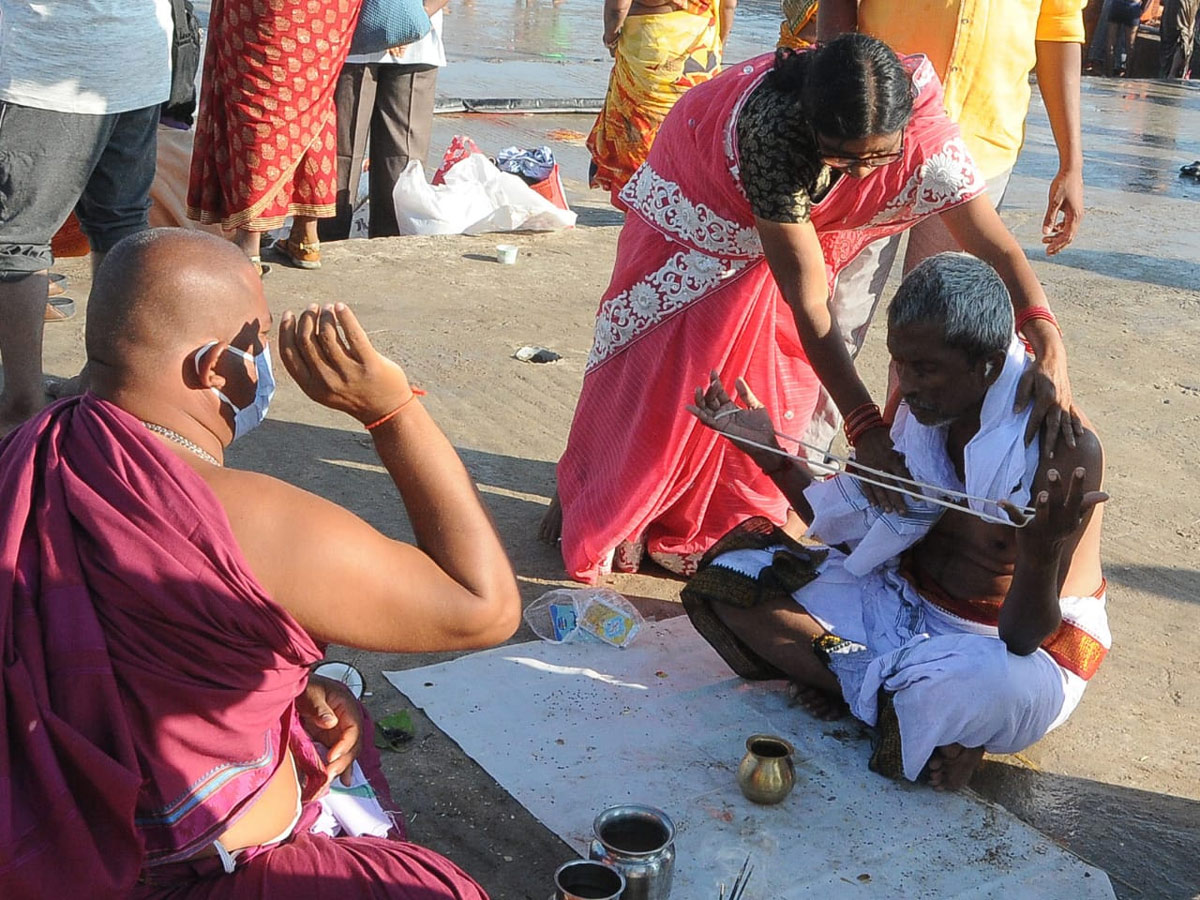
<point>199,353</point>
<point>225,399</point>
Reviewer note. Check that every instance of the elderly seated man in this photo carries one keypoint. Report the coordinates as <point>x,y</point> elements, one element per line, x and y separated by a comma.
<point>958,626</point>
<point>159,612</point>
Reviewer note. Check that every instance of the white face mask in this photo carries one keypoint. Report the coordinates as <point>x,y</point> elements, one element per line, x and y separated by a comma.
<point>247,418</point>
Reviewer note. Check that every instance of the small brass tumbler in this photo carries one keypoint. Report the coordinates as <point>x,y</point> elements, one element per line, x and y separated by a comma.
<point>767,774</point>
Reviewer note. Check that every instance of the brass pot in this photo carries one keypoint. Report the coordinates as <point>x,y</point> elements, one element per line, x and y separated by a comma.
<point>767,774</point>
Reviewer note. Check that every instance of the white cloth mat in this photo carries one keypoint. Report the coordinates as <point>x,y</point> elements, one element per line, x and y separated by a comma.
<point>571,729</point>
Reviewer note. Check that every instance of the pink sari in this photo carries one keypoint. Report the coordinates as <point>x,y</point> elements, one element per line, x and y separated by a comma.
<point>691,291</point>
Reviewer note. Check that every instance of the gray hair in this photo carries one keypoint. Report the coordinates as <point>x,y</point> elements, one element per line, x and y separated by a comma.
<point>962,294</point>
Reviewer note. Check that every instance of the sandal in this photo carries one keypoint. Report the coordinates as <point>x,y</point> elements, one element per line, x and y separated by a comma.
<point>259,266</point>
<point>298,253</point>
<point>59,309</point>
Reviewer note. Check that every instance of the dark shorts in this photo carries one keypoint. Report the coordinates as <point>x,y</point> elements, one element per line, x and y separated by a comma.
<point>53,162</point>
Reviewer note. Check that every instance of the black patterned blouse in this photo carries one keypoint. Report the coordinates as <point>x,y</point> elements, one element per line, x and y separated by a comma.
<point>780,171</point>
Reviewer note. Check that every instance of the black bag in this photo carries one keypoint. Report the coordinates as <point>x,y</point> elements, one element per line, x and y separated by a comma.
<point>185,62</point>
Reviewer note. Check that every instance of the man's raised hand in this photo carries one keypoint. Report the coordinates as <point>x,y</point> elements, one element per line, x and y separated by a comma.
<point>751,421</point>
<point>1060,511</point>
<point>330,356</point>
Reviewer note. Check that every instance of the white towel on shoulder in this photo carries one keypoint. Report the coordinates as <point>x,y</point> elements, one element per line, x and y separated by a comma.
<point>998,466</point>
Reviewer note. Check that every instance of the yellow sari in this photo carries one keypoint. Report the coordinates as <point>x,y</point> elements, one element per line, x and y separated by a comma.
<point>658,58</point>
<point>794,31</point>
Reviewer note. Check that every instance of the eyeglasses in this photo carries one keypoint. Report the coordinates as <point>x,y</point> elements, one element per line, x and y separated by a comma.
<point>871,161</point>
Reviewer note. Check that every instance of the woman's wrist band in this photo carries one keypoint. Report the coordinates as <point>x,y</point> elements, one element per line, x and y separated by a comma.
<point>1025,316</point>
<point>861,420</point>
<point>416,392</point>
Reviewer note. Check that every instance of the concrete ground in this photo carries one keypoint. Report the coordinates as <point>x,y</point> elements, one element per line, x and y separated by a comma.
<point>1119,783</point>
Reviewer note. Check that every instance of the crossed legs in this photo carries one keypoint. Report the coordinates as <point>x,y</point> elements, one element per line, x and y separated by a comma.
<point>782,632</point>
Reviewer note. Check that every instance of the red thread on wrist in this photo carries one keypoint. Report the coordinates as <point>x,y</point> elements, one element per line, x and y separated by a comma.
<point>416,392</point>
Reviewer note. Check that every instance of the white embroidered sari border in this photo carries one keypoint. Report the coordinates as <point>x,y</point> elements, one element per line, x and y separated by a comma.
<point>944,180</point>
<point>663,204</point>
<point>686,276</point>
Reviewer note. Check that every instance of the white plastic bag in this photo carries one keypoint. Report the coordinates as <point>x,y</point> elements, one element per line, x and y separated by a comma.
<point>565,615</point>
<point>476,198</point>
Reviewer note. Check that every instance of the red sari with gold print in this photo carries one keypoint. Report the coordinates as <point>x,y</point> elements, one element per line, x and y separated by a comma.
<point>266,136</point>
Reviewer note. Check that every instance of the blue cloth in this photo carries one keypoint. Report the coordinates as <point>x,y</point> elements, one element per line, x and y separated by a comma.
<point>383,24</point>
<point>534,164</point>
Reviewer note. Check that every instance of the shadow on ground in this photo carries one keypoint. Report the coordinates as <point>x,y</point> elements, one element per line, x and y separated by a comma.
<point>598,216</point>
<point>1148,843</point>
<point>1137,267</point>
<point>1178,584</point>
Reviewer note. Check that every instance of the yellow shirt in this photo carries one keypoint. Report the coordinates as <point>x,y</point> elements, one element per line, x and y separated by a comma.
<point>983,51</point>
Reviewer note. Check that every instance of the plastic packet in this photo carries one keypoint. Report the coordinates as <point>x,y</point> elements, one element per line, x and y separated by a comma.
<point>565,615</point>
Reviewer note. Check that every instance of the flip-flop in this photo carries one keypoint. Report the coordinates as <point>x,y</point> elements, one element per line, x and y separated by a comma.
<point>263,268</point>
<point>59,309</point>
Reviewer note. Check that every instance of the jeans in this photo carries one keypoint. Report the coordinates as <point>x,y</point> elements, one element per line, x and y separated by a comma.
<point>101,166</point>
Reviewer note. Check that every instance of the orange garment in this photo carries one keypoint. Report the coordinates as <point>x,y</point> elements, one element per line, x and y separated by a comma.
<point>797,30</point>
<point>1070,646</point>
<point>983,50</point>
<point>70,240</point>
<point>659,57</point>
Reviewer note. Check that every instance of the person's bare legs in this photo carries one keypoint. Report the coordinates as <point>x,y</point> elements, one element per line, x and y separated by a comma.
<point>304,230</point>
<point>781,632</point>
<point>76,384</point>
<point>551,528</point>
<point>22,317</point>
<point>249,241</point>
<point>951,767</point>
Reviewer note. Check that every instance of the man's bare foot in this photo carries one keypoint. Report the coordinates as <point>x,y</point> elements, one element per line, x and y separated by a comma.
<point>819,704</point>
<point>551,528</point>
<point>951,767</point>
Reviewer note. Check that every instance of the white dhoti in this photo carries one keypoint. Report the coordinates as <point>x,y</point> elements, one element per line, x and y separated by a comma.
<point>952,680</point>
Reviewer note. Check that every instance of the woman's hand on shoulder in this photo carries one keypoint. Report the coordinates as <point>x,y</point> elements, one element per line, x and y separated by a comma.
<point>874,450</point>
<point>1047,385</point>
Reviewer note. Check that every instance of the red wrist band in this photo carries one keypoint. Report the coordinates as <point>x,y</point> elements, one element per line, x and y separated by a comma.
<point>1025,316</point>
<point>416,392</point>
<point>861,420</point>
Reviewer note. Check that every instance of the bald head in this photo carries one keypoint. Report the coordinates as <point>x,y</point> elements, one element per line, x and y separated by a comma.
<point>166,291</point>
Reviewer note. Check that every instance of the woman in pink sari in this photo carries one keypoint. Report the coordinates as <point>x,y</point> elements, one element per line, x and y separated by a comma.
<point>762,188</point>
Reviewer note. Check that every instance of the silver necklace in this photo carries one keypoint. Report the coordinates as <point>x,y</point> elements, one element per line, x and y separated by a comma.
<point>183,442</point>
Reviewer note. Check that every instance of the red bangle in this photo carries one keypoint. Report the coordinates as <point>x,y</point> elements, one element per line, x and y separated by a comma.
<point>1025,316</point>
<point>867,410</point>
<point>416,392</point>
<point>861,420</point>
